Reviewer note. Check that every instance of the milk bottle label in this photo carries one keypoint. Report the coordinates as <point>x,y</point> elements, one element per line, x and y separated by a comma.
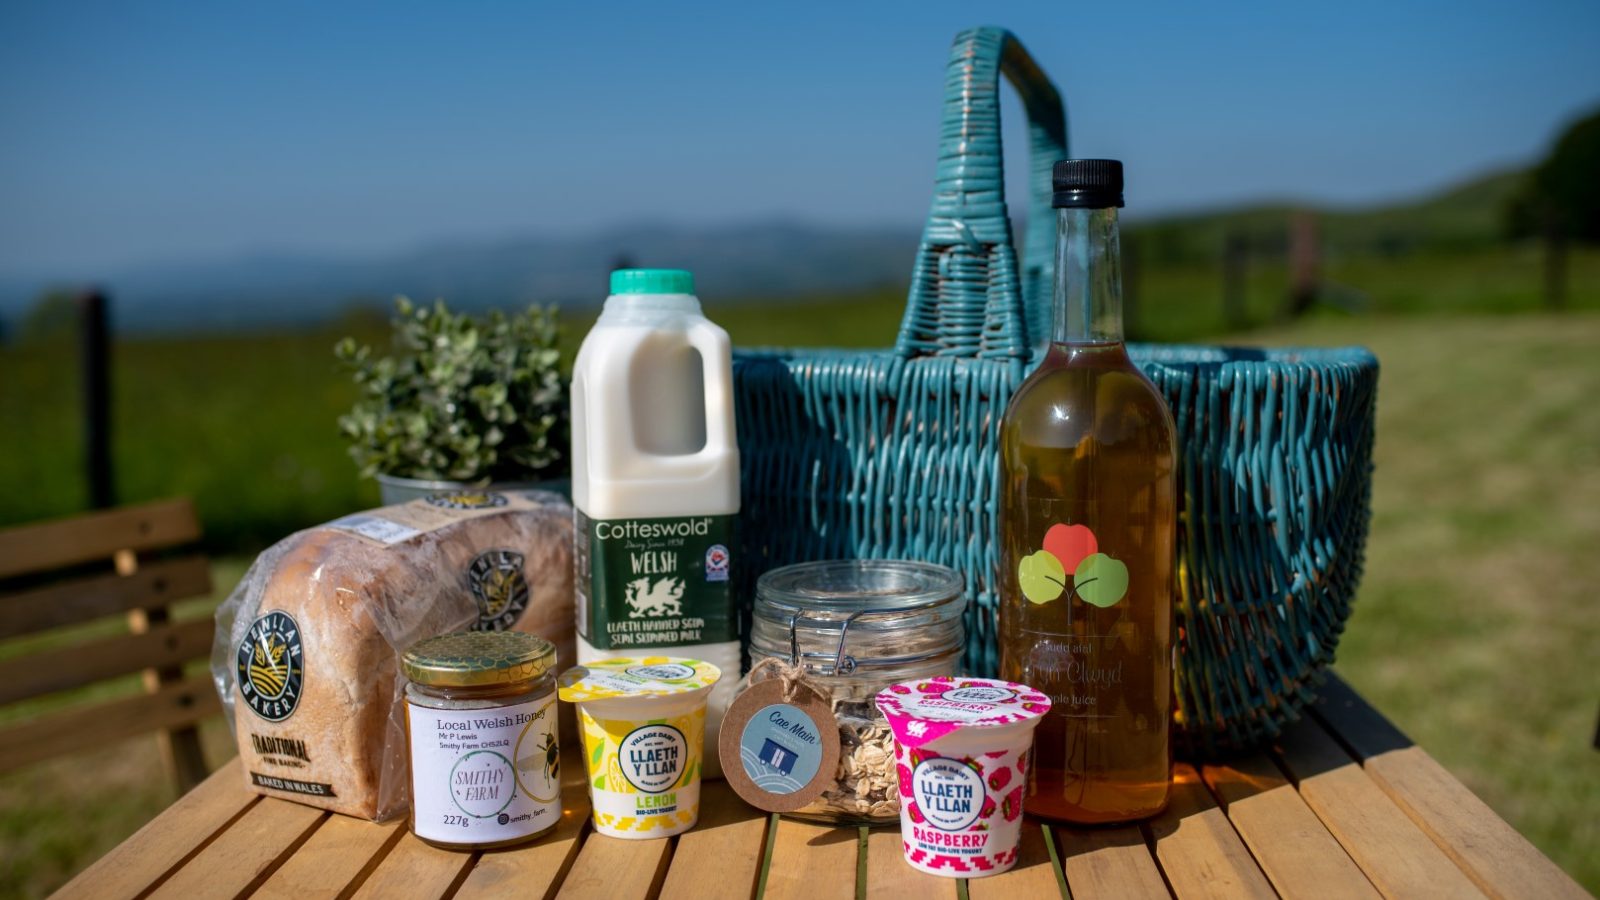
<point>655,582</point>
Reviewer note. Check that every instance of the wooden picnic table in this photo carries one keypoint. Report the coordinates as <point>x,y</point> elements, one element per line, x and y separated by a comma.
<point>1342,806</point>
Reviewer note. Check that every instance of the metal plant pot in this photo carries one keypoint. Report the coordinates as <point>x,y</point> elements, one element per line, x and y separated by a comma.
<point>393,489</point>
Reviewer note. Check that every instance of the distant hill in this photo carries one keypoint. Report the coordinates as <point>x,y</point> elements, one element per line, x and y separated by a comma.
<point>746,260</point>
<point>743,261</point>
<point>1462,217</point>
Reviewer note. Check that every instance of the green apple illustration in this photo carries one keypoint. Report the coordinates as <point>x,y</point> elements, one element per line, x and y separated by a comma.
<point>1100,580</point>
<point>1041,577</point>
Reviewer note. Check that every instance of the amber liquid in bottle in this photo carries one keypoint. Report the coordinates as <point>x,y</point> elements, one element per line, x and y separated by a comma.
<point>1087,524</point>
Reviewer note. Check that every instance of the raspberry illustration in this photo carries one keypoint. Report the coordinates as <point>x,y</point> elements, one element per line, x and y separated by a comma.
<point>1012,807</point>
<point>1000,778</point>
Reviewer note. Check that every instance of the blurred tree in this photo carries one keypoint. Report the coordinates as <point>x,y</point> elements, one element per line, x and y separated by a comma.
<point>53,317</point>
<point>1560,201</point>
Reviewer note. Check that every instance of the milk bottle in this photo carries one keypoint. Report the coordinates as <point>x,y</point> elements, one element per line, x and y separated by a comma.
<point>655,482</point>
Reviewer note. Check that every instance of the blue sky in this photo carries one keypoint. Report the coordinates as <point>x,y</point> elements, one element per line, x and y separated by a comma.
<point>146,132</point>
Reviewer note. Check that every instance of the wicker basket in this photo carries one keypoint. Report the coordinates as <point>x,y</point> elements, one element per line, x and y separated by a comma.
<point>893,454</point>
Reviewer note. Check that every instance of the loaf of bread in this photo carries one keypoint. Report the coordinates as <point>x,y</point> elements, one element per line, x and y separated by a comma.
<point>308,645</point>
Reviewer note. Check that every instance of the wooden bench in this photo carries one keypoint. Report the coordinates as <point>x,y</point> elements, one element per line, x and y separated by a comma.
<point>1343,806</point>
<point>68,572</point>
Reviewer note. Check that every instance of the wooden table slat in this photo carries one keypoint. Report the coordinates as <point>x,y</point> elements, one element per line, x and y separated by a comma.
<point>1399,859</point>
<point>1198,850</point>
<point>166,840</point>
<point>618,867</point>
<point>721,856</point>
<point>414,868</point>
<point>1035,874</point>
<point>340,853</point>
<point>1286,838</point>
<point>812,862</point>
<point>534,870</point>
<point>243,855</point>
<point>888,875</point>
<point>1109,862</point>
<point>1499,860</point>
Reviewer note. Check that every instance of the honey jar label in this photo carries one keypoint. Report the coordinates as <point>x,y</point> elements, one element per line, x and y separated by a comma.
<point>480,776</point>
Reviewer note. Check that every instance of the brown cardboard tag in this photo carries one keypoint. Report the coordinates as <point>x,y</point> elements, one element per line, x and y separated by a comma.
<point>779,742</point>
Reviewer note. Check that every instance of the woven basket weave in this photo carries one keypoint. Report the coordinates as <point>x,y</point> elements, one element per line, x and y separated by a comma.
<point>893,454</point>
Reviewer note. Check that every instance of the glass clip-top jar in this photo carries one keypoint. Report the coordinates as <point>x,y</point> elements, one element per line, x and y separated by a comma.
<point>856,627</point>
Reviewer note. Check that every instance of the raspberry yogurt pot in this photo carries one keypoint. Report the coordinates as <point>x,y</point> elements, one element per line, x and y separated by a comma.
<point>961,753</point>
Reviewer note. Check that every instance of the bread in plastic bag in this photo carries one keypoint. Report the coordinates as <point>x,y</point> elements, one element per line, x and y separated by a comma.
<point>307,649</point>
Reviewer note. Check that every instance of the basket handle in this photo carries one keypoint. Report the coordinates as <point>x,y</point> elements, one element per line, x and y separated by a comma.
<point>967,297</point>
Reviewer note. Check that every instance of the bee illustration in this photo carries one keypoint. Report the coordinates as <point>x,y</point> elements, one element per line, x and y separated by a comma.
<point>552,758</point>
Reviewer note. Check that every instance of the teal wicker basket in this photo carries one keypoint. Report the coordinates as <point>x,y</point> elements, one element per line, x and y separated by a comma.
<point>892,454</point>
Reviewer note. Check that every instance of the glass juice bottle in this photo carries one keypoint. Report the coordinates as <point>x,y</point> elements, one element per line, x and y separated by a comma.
<point>1087,525</point>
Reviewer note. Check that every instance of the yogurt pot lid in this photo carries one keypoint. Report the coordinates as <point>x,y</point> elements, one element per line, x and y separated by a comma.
<point>920,712</point>
<point>636,676</point>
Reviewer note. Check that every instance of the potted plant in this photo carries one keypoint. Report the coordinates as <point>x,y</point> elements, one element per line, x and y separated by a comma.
<point>461,402</point>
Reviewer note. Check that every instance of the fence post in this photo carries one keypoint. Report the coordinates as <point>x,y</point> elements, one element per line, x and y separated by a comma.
<point>1235,265</point>
<point>1305,262</point>
<point>94,365</point>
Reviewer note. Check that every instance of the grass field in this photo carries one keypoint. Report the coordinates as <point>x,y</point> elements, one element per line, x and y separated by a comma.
<point>1474,630</point>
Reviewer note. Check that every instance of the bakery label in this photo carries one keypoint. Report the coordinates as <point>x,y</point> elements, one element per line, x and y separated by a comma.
<point>271,666</point>
<point>467,499</point>
<point>498,584</point>
<point>655,582</point>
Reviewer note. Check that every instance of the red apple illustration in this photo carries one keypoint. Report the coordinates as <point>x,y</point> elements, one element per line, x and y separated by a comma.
<point>1070,544</point>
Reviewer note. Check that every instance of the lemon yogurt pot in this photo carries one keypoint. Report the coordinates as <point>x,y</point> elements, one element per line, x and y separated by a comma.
<point>643,724</point>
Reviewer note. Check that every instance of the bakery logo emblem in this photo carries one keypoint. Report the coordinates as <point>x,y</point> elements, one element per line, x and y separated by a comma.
<point>272,666</point>
<point>467,500</point>
<point>717,563</point>
<point>500,588</point>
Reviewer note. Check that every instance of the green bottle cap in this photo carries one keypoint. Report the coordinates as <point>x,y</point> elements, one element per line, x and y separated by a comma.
<point>652,281</point>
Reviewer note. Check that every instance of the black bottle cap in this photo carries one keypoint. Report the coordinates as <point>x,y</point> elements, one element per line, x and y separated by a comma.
<point>1087,183</point>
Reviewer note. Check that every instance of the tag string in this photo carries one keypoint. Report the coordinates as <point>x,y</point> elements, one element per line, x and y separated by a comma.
<point>793,678</point>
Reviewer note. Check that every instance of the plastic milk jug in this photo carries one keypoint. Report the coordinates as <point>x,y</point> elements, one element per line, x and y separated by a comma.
<point>655,481</point>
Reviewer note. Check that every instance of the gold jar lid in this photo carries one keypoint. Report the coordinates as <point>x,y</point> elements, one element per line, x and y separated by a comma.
<point>479,658</point>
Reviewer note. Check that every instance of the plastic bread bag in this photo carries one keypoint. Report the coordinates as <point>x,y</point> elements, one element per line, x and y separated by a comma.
<point>307,648</point>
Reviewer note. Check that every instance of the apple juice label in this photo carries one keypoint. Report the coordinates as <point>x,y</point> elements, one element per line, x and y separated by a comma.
<point>1075,591</point>
<point>655,582</point>
<point>479,776</point>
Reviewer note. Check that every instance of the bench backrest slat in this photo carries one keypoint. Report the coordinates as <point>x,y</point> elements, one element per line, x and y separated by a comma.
<point>163,646</point>
<point>172,706</point>
<point>47,546</point>
<point>152,585</point>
